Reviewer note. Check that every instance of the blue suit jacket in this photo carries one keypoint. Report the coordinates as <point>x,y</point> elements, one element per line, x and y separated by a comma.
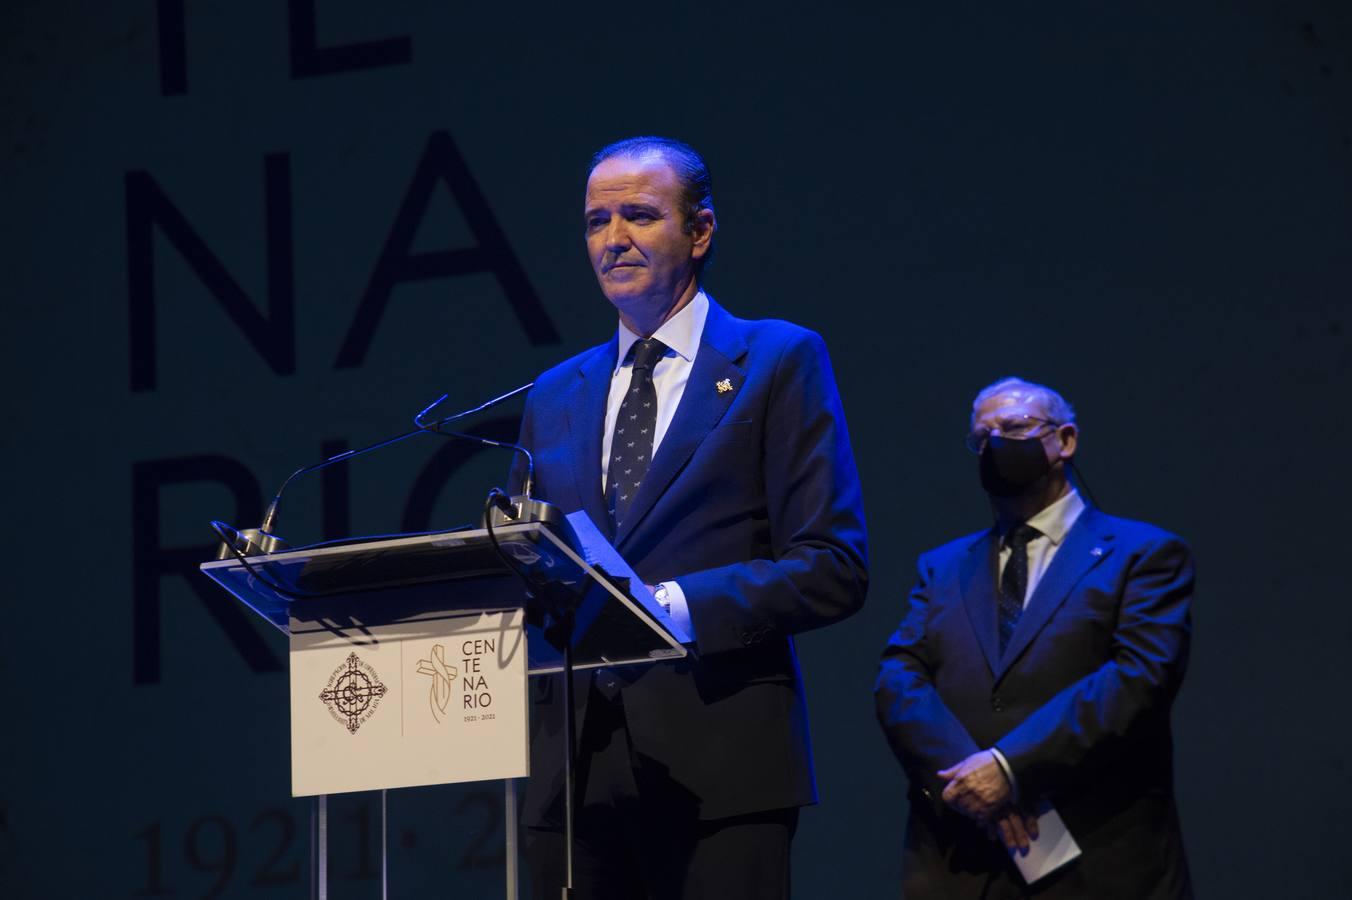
<point>753,505</point>
<point>1078,703</point>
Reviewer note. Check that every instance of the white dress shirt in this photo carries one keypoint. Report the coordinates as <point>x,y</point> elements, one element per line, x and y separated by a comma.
<point>1053,523</point>
<point>681,333</point>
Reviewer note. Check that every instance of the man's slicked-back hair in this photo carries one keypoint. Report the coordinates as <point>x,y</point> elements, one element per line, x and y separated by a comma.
<point>1061,412</point>
<point>697,189</point>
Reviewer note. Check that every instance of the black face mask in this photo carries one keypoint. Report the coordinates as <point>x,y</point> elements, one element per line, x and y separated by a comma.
<point>1012,467</point>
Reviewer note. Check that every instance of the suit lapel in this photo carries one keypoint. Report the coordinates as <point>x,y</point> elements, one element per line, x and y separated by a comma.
<point>977,581</point>
<point>702,406</point>
<point>586,420</point>
<point>1086,545</point>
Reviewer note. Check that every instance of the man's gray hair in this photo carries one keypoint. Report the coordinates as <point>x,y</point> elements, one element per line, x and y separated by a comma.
<point>1060,412</point>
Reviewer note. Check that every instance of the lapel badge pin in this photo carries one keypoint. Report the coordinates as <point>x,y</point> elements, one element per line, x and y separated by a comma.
<point>1097,551</point>
<point>724,386</point>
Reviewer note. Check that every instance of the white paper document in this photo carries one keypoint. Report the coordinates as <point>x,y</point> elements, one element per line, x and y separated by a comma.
<point>1053,848</point>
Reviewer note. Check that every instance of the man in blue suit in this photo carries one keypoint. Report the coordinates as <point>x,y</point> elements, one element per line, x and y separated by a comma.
<point>714,453</point>
<point>1034,669</point>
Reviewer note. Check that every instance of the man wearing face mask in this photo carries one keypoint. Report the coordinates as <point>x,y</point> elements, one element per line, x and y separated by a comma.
<point>1034,670</point>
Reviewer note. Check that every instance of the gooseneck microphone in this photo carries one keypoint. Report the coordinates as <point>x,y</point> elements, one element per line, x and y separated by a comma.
<point>529,482</point>
<point>267,540</point>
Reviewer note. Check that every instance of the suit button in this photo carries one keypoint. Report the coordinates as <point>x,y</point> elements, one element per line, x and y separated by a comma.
<point>926,792</point>
<point>997,704</point>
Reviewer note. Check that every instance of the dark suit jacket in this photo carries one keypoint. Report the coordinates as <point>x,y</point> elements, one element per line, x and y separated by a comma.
<point>752,504</point>
<point>1078,703</point>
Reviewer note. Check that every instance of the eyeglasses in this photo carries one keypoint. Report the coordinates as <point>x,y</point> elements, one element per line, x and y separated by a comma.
<point>1016,428</point>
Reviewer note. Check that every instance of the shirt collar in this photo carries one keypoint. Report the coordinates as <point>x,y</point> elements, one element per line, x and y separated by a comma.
<point>1056,520</point>
<point>681,332</point>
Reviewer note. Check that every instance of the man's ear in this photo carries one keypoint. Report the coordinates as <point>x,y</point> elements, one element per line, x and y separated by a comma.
<point>702,228</point>
<point>1070,439</point>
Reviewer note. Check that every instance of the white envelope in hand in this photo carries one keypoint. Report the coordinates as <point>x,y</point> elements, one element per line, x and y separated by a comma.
<point>1053,848</point>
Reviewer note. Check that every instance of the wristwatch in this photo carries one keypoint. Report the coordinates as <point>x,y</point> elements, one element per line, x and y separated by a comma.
<point>660,595</point>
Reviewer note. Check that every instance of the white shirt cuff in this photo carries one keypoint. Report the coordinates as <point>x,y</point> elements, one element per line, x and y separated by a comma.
<point>679,609</point>
<point>1009,773</point>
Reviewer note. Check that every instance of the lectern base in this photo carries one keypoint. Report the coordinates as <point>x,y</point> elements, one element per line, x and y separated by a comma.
<point>319,848</point>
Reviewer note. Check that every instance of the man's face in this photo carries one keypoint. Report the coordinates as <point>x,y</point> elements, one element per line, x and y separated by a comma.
<point>643,254</point>
<point>1020,412</point>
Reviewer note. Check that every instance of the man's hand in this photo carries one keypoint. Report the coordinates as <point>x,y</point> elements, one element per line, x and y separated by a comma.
<point>977,787</point>
<point>1013,829</point>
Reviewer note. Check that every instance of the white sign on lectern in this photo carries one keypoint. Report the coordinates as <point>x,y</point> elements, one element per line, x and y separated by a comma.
<point>428,701</point>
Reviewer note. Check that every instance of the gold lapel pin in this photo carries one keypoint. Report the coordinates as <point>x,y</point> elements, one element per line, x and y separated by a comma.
<point>724,386</point>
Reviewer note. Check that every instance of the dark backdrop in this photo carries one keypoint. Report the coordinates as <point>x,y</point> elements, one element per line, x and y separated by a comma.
<point>237,236</point>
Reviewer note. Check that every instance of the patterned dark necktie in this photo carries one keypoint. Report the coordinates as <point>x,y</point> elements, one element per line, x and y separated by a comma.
<point>631,443</point>
<point>1014,581</point>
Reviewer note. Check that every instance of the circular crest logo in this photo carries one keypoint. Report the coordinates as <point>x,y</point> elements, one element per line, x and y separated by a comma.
<point>353,693</point>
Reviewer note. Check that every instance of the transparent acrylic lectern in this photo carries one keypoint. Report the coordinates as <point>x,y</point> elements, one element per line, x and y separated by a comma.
<point>585,608</point>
